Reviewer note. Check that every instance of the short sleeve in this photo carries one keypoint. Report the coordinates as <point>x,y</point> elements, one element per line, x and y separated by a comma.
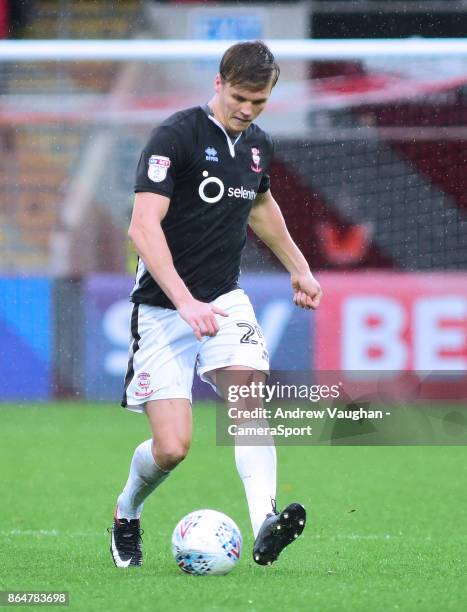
<point>265,183</point>
<point>159,163</point>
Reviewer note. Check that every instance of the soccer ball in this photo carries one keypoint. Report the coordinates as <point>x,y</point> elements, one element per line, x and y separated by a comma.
<point>206,543</point>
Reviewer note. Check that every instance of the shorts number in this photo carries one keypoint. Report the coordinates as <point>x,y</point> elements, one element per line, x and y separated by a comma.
<point>251,330</point>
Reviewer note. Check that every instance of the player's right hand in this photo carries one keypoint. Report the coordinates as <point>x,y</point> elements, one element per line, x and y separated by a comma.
<point>201,317</point>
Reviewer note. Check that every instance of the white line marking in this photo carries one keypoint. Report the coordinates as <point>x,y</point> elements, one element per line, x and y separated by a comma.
<point>49,533</point>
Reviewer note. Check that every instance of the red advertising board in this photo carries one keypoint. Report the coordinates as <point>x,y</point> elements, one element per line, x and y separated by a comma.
<point>375,321</point>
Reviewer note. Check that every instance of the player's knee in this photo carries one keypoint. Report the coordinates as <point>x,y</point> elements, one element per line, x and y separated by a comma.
<point>170,455</point>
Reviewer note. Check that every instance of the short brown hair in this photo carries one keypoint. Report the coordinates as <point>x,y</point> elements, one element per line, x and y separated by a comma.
<point>250,64</point>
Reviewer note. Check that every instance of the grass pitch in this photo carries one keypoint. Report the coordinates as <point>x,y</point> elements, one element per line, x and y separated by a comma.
<point>386,525</point>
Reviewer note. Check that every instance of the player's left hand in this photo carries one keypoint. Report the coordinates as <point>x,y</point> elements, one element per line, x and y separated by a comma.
<point>307,290</point>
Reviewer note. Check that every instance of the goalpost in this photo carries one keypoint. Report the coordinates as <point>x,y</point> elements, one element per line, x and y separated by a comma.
<point>283,49</point>
<point>371,145</point>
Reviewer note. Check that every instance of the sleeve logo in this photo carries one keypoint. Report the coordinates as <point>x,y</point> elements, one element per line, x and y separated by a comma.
<point>157,168</point>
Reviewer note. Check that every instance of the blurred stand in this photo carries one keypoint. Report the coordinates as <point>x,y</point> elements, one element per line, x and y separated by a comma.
<point>20,15</point>
<point>370,152</point>
<point>369,171</point>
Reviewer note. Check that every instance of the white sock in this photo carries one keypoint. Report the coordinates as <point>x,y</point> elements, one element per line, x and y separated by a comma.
<point>145,475</point>
<point>257,468</point>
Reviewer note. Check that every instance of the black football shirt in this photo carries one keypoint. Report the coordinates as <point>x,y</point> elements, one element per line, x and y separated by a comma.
<point>212,181</point>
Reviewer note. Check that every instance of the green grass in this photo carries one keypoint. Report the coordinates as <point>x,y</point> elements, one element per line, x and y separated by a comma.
<point>386,531</point>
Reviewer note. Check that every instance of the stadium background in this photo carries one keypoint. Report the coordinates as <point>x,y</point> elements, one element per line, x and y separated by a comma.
<point>370,171</point>
<point>369,168</point>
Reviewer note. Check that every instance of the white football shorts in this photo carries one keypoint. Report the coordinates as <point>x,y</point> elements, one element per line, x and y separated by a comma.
<point>164,350</point>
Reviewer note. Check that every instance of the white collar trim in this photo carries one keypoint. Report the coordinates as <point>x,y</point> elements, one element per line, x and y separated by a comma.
<point>229,142</point>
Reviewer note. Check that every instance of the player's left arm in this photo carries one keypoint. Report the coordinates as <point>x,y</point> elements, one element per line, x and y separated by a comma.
<point>268,224</point>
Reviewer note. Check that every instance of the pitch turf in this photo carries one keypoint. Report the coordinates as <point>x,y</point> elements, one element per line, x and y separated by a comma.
<point>386,531</point>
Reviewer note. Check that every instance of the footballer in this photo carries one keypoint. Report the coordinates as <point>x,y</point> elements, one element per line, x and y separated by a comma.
<point>201,180</point>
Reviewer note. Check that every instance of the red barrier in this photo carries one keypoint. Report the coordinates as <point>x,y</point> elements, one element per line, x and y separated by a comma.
<point>395,322</point>
<point>3,18</point>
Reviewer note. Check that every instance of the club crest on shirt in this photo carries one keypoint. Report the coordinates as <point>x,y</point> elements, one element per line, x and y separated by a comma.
<point>157,168</point>
<point>255,156</point>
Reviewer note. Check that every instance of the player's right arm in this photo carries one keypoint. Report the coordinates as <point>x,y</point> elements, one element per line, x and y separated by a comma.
<point>146,231</point>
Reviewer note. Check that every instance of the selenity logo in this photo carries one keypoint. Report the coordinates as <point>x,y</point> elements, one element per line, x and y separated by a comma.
<point>232,192</point>
<point>241,192</point>
<point>211,154</point>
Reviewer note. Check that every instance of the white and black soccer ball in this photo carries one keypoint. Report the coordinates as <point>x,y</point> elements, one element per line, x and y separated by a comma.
<point>206,543</point>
